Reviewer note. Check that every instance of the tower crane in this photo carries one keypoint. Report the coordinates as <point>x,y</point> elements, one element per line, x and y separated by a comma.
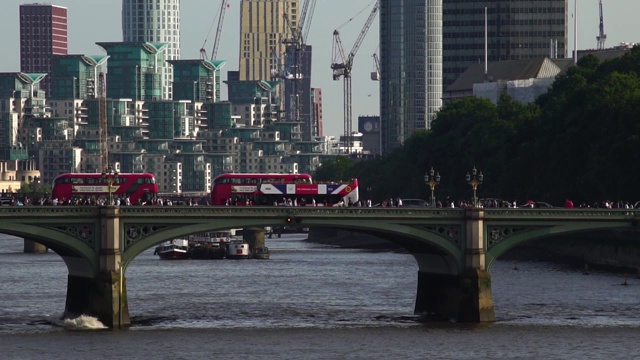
<point>602,37</point>
<point>103,161</point>
<point>298,44</point>
<point>375,76</point>
<point>214,52</point>
<point>342,66</point>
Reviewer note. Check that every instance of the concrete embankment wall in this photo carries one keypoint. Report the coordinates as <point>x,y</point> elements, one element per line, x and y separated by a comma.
<point>613,249</point>
<point>350,239</point>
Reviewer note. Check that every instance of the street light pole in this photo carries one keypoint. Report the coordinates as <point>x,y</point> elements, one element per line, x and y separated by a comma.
<point>432,178</point>
<point>110,176</point>
<point>474,179</point>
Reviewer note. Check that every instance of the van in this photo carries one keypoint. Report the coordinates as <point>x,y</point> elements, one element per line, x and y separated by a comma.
<point>415,203</point>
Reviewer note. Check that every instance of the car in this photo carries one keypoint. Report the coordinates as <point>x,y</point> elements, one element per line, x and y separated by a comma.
<point>537,205</point>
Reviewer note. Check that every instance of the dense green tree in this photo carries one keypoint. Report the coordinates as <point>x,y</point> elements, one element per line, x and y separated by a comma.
<point>334,169</point>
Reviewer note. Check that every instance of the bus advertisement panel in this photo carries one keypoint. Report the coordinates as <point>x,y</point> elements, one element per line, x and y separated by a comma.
<point>241,189</point>
<point>140,188</point>
<point>330,194</point>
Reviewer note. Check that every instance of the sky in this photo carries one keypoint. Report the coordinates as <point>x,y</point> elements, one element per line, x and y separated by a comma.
<point>92,21</point>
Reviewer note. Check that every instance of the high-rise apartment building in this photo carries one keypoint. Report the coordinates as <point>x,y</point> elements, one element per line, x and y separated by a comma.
<point>410,68</point>
<point>154,21</point>
<point>262,29</point>
<point>517,29</point>
<point>43,33</point>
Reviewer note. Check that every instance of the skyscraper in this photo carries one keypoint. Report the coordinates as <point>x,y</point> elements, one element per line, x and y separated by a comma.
<point>43,33</point>
<point>262,29</point>
<point>517,29</point>
<point>410,68</point>
<point>154,21</point>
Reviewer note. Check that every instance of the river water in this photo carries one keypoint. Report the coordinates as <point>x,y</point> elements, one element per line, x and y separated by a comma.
<point>311,301</point>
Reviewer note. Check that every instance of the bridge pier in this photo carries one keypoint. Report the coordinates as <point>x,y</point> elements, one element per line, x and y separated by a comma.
<point>33,247</point>
<point>105,294</point>
<point>465,296</point>
<point>255,236</point>
<point>459,298</point>
<point>103,297</point>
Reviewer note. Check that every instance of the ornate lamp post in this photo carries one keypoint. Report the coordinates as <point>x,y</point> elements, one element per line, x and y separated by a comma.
<point>474,179</point>
<point>110,176</point>
<point>432,179</point>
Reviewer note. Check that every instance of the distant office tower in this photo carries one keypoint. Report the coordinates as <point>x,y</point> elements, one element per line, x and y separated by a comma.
<point>410,68</point>
<point>262,29</point>
<point>154,21</point>
<point>297,89</point>
<point>517,29</point>
<point>43,33</point>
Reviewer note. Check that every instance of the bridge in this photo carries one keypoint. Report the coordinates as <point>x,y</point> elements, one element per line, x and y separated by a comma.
<point>454,248</point>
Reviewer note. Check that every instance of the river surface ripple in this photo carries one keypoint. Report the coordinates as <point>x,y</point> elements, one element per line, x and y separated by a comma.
<point>311,301</point>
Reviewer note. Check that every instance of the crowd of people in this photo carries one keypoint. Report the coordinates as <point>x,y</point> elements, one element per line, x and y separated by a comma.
<point>16,199</point>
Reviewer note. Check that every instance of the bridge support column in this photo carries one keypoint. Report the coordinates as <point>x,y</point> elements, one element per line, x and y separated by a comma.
<point>105,295</point>
<point>466,296</point>
<point>254,236</point>
<point>461,298</point>
<point>31,246</point>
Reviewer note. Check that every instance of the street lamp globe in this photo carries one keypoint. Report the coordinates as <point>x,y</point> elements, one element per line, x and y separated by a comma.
<point>432,179</point>
<point>474,179</point>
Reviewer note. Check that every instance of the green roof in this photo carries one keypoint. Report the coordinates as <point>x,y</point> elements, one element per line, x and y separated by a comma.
<point>150,47</point>
<point>95,60</point>
<point>31,78</point>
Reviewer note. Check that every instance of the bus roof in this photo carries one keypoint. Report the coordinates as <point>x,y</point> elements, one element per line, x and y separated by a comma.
<point>262,175</point>
<point>98,175</point>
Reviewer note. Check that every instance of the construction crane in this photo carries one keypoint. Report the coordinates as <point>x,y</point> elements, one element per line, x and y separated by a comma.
<point>214,52</point>
<point>296,45</point>
<point>375,75</point>
<point>342,66</point>
<point>103,158</point>
<point>602,37</point>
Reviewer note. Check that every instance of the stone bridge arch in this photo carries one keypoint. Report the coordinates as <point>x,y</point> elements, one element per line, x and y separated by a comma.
<point>73,234</point>
<point>442,245</point>
<point>502,238</point>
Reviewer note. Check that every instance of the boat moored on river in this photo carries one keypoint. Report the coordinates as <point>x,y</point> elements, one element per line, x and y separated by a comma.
<point>238,249</point>
<point>176,249</point>
<point>209,245</point>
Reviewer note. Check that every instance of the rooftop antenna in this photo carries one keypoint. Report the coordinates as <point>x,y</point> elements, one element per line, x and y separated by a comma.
<point>602,37</point>
<point>575,32</point>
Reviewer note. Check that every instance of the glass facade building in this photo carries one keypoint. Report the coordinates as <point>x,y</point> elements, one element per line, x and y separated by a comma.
<point>197,80</point>
<point>75,76</point>
<point>135,70</point>
<point>410,68</point>
<point>517,29</point>
<point>154,21</point>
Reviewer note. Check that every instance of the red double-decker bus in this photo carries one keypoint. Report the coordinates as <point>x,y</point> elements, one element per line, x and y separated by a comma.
<point>240,189</point>
<point>141,188</point>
